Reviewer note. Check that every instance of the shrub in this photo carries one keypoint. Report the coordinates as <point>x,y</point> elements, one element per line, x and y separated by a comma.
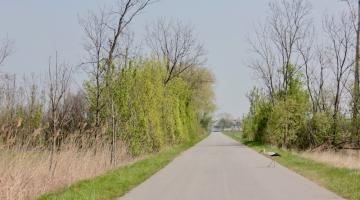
<point>286,123</point>
<point>319,129</point>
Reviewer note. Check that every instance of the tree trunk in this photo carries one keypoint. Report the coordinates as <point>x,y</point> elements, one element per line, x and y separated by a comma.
<point>356,95</point>
<point>113,138</point>
<point>336,113</point>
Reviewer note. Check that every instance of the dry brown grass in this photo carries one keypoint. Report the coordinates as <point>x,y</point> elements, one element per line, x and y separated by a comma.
<point>26,175</point>
<point>343,159</point>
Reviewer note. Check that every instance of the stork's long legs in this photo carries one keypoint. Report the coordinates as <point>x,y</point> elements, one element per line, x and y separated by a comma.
<point>271,164</point>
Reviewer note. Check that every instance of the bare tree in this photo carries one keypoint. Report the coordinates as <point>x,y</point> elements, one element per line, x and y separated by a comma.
<point>175,44</point>
<point>340,38</point>
<point>356,95</point>
<point>105,32</point>
<point>264,63</point>
<point>124,14</point>
<point>320,96</point>
<point>95,30</point>
<point>355,18</point>
<point>6,47</point>
<point>289,25</point>
<point>276,43</point>
<point>59,84</point>
<point>306,51</point>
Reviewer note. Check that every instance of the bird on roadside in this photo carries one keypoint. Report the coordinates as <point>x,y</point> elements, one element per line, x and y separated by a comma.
<point>271,154</point>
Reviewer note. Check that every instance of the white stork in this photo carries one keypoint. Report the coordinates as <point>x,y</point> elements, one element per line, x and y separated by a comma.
<point>271,154</point>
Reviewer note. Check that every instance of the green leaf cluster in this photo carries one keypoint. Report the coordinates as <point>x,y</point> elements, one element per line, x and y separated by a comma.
<point>151,115</point>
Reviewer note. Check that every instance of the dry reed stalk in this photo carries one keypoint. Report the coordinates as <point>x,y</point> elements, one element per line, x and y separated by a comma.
<point>26,174</point>
<point>343,159</point>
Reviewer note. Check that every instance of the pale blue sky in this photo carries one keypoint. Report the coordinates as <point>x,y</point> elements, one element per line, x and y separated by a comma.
<point>39,27</point>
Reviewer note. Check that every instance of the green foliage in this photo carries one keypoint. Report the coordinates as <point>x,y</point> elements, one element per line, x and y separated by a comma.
<point>150,114</point>
<point>286,122</point>
<point>285,118</point>
<point>279,120</point>
<point>205,121</point>
<point>255,124</point>
<point>319,129</point>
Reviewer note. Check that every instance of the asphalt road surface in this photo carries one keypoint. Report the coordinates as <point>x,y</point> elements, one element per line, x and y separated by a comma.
<point>219,168</point>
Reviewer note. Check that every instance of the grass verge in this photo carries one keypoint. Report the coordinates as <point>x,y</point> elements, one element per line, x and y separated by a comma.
<point>116,183</point>
<point>342,181</point>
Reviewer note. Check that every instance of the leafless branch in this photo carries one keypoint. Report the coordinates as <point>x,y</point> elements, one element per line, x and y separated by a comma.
<point>59,78</point>
<point>175,44</point>
<point>6,49</point>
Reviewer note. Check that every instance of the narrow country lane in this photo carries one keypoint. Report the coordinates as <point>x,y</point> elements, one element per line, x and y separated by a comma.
<point>220,168</point>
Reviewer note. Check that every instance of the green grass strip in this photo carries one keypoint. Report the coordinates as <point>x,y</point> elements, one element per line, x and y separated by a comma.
<point>118,182</point>
<point>342,181</point>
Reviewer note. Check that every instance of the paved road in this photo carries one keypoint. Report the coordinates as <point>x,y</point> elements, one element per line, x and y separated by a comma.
<point>220,168</point>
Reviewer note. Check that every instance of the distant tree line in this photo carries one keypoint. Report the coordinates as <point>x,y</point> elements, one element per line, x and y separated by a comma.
<point>226,122</point>
<point>309,76</point>
<point>145,102</point>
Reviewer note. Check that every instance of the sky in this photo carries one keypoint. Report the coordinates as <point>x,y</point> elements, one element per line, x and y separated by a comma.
<point>39,28</point>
